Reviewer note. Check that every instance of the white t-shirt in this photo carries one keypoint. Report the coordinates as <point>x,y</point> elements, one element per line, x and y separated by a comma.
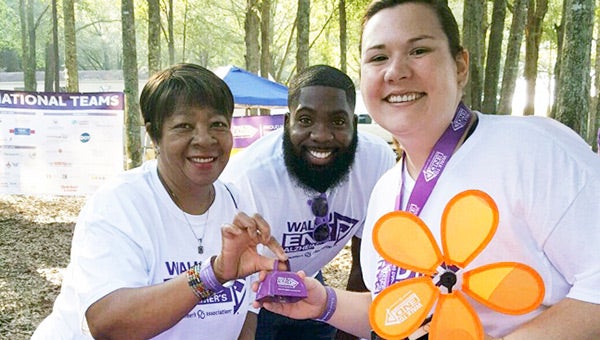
<point>259,172</point>
<point>546,184</point>
<point>131,234</point>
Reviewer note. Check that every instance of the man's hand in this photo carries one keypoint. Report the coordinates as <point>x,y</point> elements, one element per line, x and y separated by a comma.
<point>239,257</point>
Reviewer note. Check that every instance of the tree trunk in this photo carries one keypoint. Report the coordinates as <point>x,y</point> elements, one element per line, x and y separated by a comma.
<point>343,36</point>
<point>494,55</point>
<point>50,64</point>
<point>184,35</point>
<point>32,57</point>
<point>153,36</point>
<point>560,34</point>
<point>133,140</point>
<point>55,56</point>
<point>572,98</point>
<point>70,46</point>
<point>535,15</point>
<point>251,26</point>
<point>594,130</point>
<point>28,50</point>
<point>171,34</point>
<point>473,33</point>
<point>286,52</point>
<point>511,63</point>
<point>251,39</point>
<point>265,44</point>
<point>302,39</point>
<point>265,38</point>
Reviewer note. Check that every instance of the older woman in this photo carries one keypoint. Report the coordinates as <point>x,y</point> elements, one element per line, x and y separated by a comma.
<point>143,258</point>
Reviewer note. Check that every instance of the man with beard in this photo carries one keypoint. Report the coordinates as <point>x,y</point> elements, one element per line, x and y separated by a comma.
<point>311,181</point>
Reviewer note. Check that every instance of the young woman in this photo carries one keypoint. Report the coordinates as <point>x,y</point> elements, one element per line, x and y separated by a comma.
<point>542,176</point>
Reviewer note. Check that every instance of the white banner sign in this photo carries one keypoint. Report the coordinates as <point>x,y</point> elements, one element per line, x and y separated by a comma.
<point>59,143</point>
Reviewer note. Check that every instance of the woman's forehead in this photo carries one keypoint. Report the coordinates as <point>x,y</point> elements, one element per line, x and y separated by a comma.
<point>406,21</point>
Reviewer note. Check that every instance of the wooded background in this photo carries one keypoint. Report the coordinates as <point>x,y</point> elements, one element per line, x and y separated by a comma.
<point>531,40</point>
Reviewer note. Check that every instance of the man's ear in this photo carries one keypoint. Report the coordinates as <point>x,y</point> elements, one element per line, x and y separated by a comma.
<point>355,122</point>
<point>286,119</point>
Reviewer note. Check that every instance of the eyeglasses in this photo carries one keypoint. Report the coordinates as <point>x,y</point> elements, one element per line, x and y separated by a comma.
<point>320,208</point>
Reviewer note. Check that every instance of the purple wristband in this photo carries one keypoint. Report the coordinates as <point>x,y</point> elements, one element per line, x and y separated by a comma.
<point>207,275</point>
<point>331,305</point>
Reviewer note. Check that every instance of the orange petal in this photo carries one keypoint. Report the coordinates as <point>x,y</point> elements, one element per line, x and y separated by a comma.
<point>468,224</point>
<point>507,287</point>
<point>454,318</point>
<point>402,239</point>
<point>401,308</point>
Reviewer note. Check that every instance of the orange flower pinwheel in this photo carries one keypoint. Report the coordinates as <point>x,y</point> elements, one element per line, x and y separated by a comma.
<point>468,225</point>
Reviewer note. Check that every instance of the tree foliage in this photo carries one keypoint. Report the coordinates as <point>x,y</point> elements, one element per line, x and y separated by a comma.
<point>215,33</point>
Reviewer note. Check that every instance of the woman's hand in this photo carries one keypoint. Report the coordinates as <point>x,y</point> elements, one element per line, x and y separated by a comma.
<point>239,257</point>
<point>310,307</point>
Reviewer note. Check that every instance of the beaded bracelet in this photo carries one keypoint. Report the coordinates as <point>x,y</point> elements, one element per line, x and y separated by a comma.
<point>330,306</point>
<point>201,278</point>
<point>196,283</point>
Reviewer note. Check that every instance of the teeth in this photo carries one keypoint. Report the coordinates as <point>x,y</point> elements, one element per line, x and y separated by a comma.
<point>320,154</point>
<point>202,160</point>
<point>404,98</point>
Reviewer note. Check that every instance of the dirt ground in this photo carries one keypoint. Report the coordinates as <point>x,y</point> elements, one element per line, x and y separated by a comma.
<point>35,238</point>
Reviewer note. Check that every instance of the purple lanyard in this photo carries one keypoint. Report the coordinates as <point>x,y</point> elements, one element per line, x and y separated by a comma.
<point>436,162</point>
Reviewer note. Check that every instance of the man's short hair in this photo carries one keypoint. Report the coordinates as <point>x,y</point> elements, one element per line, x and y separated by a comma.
<point>321,75</point>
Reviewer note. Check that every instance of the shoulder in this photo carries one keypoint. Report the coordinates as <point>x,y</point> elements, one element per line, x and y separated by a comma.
<point>375,149</point>
<point>535,124</point>
<point>536,138</point>
<point>231,199</point>
<point>266,144</point>
<point>264,154</point>
<point>371,140</point>
<point>128,185</point>
<point>390,179</point>
<point>531,129</point>
<point>229,192</point>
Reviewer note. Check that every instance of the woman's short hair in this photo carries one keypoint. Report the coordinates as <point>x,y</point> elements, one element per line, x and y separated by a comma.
<point>182,85</point>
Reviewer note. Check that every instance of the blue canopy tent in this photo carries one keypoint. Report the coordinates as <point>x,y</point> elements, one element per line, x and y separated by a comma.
<point>250,90</point>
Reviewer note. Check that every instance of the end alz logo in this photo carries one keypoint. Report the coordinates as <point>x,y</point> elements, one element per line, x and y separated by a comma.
<point>299,235</point>
<point>287,282</point>
<point>434,168</point>
<point>403,308</point>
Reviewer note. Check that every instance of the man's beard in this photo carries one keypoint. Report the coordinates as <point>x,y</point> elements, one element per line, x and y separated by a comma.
<point>318,177</point>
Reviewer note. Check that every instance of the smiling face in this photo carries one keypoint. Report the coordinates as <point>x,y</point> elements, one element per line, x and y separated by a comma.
<point>321,125</point>
<point>195,145</point>
<point>410,81</point>
<point>320,137</point>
